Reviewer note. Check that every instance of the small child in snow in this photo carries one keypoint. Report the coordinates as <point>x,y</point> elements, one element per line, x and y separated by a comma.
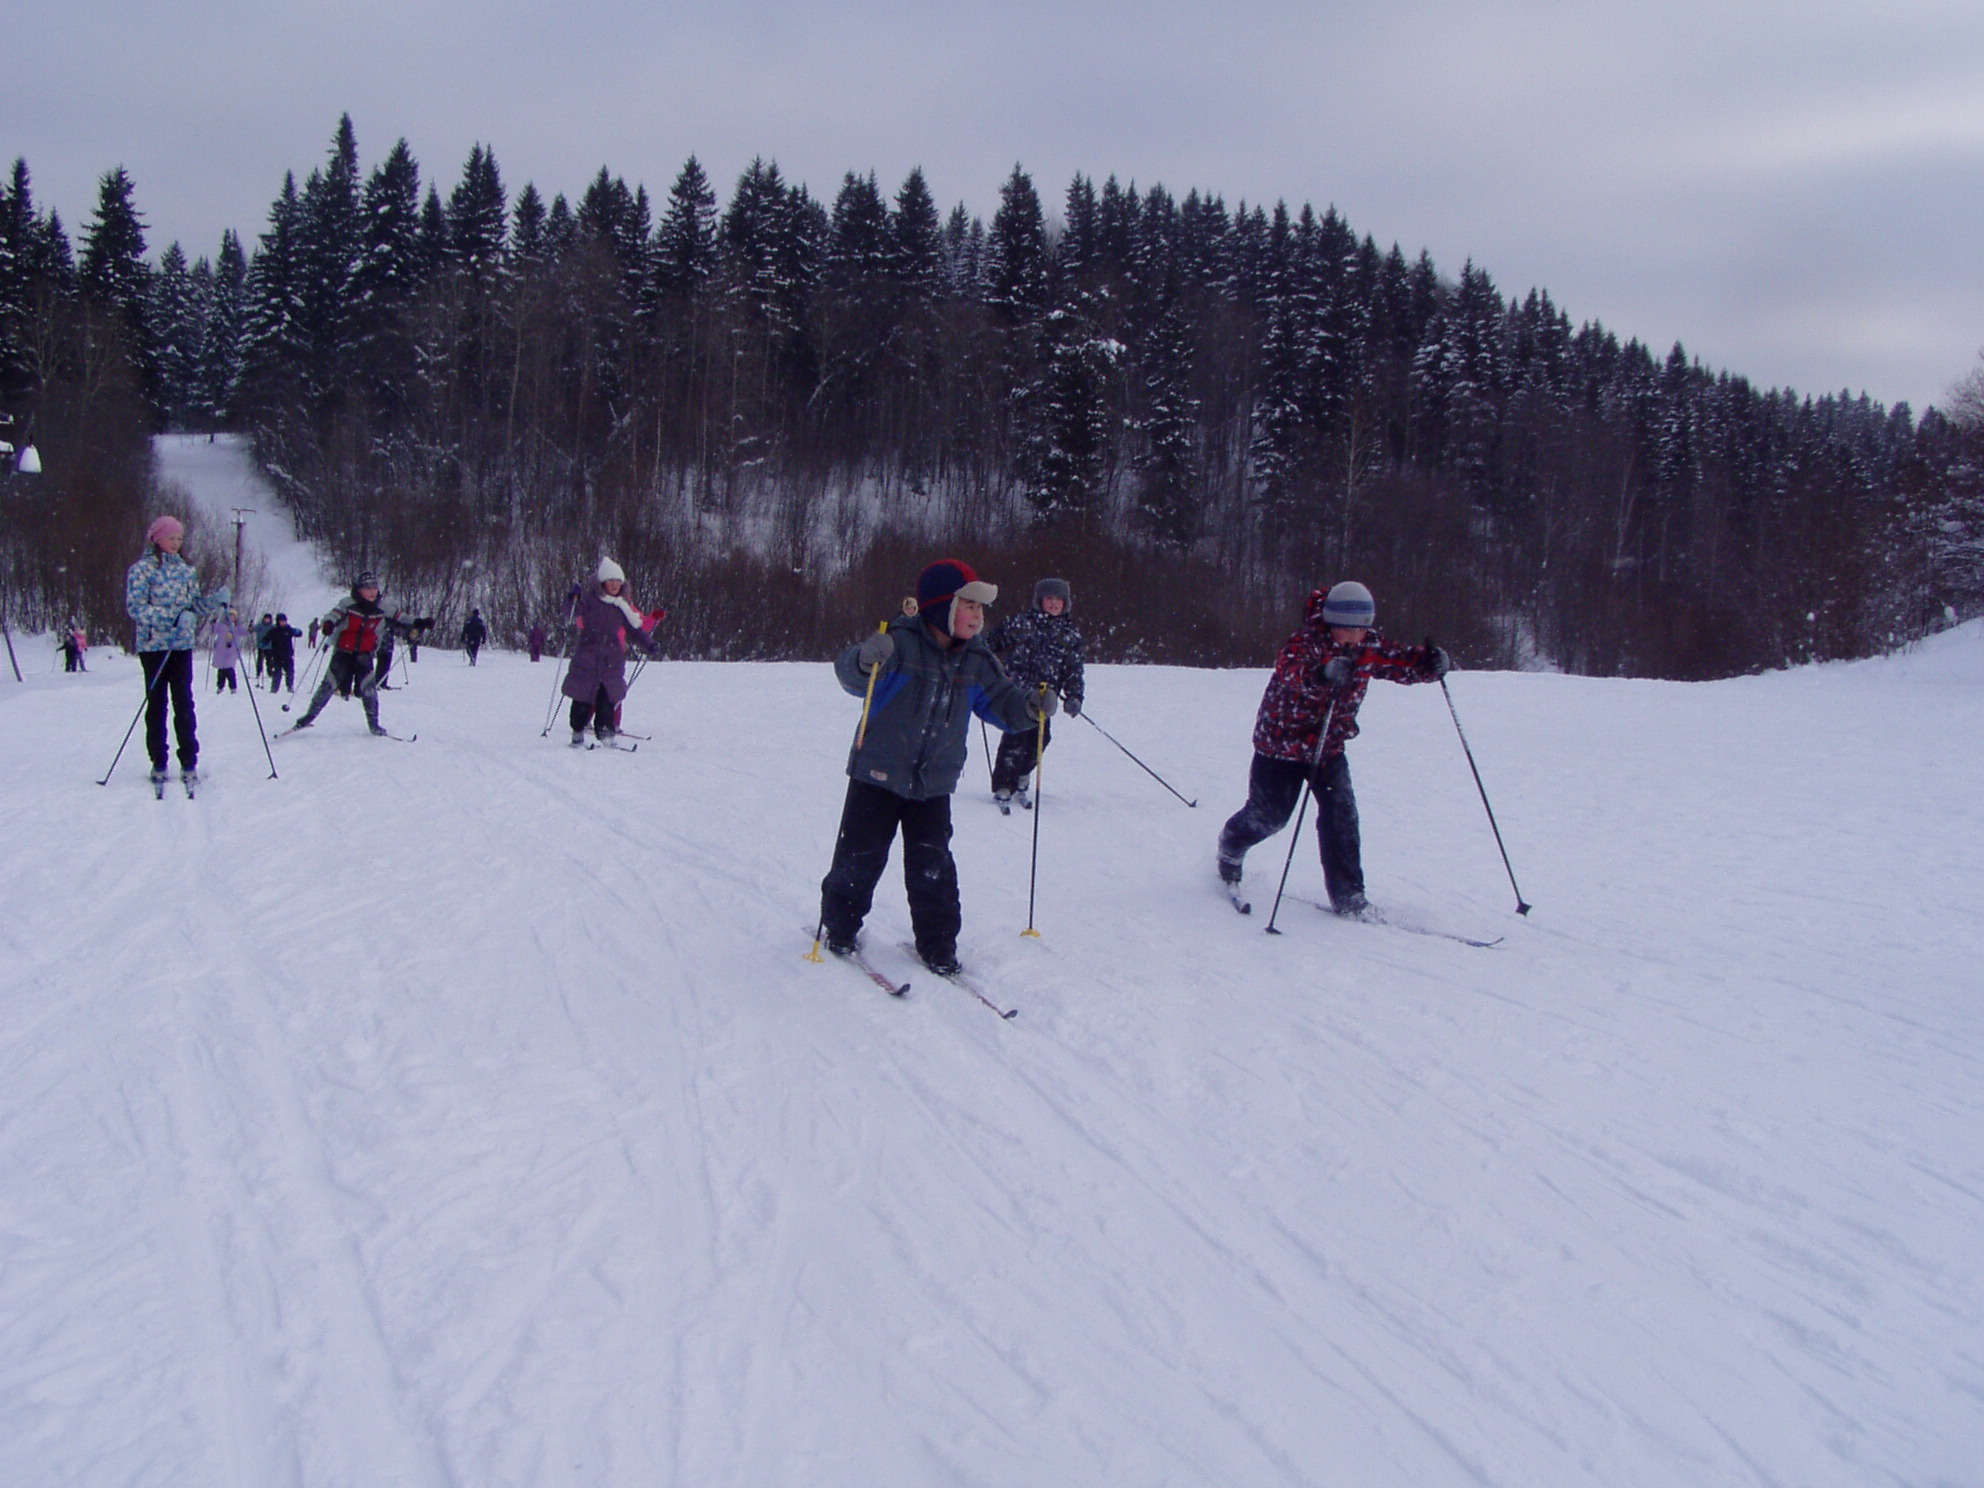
<point>229,633</point>
<point>1319,681</point>
<point>352,630</point>
<point>1036,646</point>
<point>282,639</point>
<point>606,621</point>
<point>931,671</point>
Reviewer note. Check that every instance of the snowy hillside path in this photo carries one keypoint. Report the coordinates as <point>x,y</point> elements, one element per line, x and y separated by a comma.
<point>465,1112</point>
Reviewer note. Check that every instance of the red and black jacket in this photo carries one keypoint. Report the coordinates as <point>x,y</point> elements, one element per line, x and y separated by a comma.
<point>1298,699</point>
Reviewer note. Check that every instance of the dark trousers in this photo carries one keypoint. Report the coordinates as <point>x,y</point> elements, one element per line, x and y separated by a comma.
<point>224,679</point>
<point>1273,788</point>
<point>176,684</point>
<point>472,647</point>
<point>602,713</point>
<point>868,825</point>
<point>281,667</point>
<point>1016,757</point>
<point>347,670</point>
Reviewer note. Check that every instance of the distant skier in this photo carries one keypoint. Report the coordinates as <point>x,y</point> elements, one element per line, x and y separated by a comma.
<point>536,639</point>
<point>474,633</point>
<point>82,640</point>
<point>312,642</point>
<point>1320,673</point>
<point>72,653</point>
<point>352,631</point>
<point>229,633</point>
<point>1037,645</point>
<point>931,671</point>
<point>162,594</point>
<point>281,641</point>
<point>606,622</point>
<point>262,628</point>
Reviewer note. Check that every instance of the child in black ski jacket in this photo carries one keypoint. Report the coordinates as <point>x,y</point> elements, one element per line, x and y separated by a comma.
<point>1036,646</point>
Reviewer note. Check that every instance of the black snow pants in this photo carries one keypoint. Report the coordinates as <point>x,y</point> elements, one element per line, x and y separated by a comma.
<point>1015,759</point>
<point>868,825</point>
<point>1273,788</point>
<point>602,713</point>
<point>176,685</point>
<point>348,670</point>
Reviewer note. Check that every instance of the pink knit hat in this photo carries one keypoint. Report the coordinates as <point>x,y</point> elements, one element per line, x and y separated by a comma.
<point>164,527</point>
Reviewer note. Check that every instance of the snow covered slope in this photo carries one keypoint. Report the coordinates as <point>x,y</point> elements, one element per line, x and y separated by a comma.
<point>464,1112</point>
<point>219,477</point>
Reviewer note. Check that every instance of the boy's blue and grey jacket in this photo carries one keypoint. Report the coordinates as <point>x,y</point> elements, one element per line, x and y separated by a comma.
<point>162,594</point>
<point>924,698</point>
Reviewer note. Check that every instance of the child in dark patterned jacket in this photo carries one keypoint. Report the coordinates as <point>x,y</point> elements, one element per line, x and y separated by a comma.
<point>1040,645</point>
<point>1318,684</point>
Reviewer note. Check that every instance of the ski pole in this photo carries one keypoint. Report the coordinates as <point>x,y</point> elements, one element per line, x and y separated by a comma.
<point>257,707</point>
<point>1039,759</point>
<point>985,738</point>
<point>310,669</point>
<point>861,734</point>
<point>1521,907</point>
<point>150,687</point>
<point>557,678</point>
<point>1308,790</point>
<point>1139,763</point>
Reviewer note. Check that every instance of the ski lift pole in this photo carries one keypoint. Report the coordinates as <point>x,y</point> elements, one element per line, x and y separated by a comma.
<point>1039,759</point>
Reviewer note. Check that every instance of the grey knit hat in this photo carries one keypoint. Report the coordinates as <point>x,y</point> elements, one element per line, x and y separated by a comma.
<point>1350,603</point>
<point>1057,587</point>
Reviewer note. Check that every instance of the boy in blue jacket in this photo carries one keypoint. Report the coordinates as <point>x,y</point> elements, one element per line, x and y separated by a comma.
<point>931,671</point>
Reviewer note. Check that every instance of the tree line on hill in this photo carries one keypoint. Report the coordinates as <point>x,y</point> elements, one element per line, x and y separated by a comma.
<point>772,409</point>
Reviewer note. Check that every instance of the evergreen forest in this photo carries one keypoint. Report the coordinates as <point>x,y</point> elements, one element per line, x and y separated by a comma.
<point>773,408</point>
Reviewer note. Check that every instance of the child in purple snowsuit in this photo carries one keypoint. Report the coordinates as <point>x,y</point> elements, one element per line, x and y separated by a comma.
<point>607,622</point>
<point>229,633</point>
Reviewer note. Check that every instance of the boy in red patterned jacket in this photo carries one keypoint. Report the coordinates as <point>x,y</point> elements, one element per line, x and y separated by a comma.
<point>1319,680</point>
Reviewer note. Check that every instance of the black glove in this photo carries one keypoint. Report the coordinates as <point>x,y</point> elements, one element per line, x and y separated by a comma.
<point>1437,662</point>
<point>876,651</point>
<point>1074,707</point>
<point>1337,671</point>
<point>1043,705</point>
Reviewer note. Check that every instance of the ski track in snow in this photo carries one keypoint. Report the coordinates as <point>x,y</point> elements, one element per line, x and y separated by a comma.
<point>466,1114</point>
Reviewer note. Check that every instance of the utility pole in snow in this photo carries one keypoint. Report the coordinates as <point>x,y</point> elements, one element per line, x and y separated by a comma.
<point>241,515</point>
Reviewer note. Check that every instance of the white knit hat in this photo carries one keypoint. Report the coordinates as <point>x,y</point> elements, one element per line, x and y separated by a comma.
<point>608,569</point>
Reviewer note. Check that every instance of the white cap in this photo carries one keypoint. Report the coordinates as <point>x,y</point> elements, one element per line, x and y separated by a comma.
<point>608,569</point>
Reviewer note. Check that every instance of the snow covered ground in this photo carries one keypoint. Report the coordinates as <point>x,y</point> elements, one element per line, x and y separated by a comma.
<point>464,1113</point>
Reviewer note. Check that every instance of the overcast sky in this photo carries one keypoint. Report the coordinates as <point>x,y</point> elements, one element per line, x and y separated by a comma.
<point>1793,191</point>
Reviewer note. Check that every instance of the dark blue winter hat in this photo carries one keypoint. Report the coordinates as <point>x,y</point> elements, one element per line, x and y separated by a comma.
<point>943,581</point>
<point>1350,604</point>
